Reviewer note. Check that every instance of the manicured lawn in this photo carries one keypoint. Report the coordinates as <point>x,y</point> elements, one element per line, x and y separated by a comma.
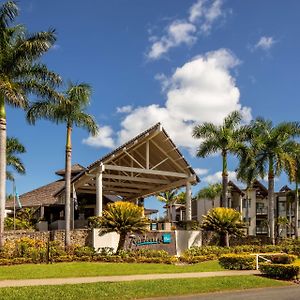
<point>137,289</point>
<point>84,269</point>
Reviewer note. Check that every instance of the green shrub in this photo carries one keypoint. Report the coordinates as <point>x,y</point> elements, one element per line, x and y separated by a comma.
<point>237,261</point>
<point>281,258</point>
<point>94,222</point>
<point>84,251</point>
<point>279,271</point>
<point>105,251</point>
<point>197,259</point>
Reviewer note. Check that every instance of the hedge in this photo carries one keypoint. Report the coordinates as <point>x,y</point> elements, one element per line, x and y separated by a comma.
<point>280,271</point>
<point>237,261</point>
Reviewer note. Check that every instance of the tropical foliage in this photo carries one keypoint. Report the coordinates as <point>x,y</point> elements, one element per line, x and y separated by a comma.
<point>69,110</point>
<point>169,198</point>
<point>123,218</point>
<point>226,138</point>
<point>13,148</point>
<point>21,74</point>
<point>225,222</point>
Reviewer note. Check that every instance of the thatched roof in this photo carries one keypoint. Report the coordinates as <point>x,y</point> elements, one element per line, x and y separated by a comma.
<point>75,169</point>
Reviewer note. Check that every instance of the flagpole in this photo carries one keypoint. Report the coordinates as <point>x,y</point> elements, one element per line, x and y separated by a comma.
<point>14,193</point>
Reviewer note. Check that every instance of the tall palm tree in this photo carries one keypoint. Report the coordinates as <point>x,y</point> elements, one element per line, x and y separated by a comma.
<point>70,111</point>
<point>169,198</point>
<point>227,138</point>
<point>13,148</point>
<point>294,176</point>
<point>21,74</point>
<point>273,154</point>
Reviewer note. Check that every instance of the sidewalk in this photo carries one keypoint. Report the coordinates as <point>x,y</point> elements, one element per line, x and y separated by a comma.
<point>78,280</point>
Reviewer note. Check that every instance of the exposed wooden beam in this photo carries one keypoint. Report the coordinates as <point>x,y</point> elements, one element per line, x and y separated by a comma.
<point>144,171</point>
<point>136,161</point>
<point>137,179</point>
<point>119,189</point>
<point>160,163</point>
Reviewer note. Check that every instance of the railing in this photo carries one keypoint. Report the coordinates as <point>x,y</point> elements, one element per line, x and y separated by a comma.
<point>261,230</point>
<point>262,211</point>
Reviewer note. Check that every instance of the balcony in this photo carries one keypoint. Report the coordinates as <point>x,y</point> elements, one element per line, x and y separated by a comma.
<point>261,230</point>
<point>261,211</point>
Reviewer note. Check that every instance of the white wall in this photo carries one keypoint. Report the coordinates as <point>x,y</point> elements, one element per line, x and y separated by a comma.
<point>110,240</point>
<point>186,239</point>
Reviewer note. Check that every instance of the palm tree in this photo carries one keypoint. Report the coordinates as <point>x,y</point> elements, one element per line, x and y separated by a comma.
<point>13,148</point>
<point>123,218</point>
<point>70,111</point>
<point>225,222</point>
<point>227,138</point>
<point>211,192</point>
<point>21,74</point>
<point>273,153</point>
<point>169,198</point>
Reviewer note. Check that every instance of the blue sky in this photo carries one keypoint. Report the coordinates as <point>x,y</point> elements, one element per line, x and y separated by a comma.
<point>178,62</point>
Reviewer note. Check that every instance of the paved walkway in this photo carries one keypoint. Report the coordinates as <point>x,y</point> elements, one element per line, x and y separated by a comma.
<point>77,280</point>
<point>273,293</point>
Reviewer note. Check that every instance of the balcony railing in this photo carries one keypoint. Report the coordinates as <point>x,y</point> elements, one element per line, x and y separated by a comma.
<point>262,211</point>
<point>261,230</point>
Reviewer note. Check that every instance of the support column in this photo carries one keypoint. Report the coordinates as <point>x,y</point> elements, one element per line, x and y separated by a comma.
<point>99,194</point>
<point>188,201</point>
<point>241,207</point>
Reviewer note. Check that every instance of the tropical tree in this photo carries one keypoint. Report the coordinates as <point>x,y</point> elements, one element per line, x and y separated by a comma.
<point>21,75</point>
<point>273,154</point>
<point>13,148</point>
<point>123,218</point>
<point>169,198</point>
<point>225,222</point>
<point>211,192</point>
<point>70,110</point>
<point>226,138</point>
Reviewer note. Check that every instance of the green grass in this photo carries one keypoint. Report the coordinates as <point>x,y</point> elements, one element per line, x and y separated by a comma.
<point>137,289</point>
<point>84,269</point>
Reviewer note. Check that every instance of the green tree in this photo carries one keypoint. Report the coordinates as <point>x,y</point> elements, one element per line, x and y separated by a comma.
<point>226,138</point>
<point>21,75</point>
<point>169,198</point>
<point>69,110</point>
<point>273,154</point>
<point>225,222</point>
<point>13,148</point>
<point>123,218</point>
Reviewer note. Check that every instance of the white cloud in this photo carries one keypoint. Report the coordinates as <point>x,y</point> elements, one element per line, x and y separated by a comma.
<point>103,139</point>
<point>201,172</point>
<point>178,33</point>
<point>202,15</point>
<point>201,90</point>
<point>124,109</point>
<point>265,43</point>
<point>217,177</point>
<point>205,13</point>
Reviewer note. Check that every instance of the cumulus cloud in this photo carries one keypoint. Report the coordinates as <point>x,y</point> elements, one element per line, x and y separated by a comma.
<point>265,43</point>
<point>201,17</point>
<point>124,109</point>
<point>217,177</point>
<point>203,89</point>
<point>102,139</point>
<point>201,172</point>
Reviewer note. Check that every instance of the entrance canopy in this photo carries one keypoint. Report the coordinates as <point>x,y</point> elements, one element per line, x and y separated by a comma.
<point>144,166</point>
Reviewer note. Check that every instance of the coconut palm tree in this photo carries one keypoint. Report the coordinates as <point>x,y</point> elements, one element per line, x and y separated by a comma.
<point>13,148</point>
<point>225,222</point>
<point>70,111</point>
<point>123,218</point>
<point>21,75</point>
<point>211,192</point>
<point>169,198</point>
<point>226,138</point>
<point>273,154</point>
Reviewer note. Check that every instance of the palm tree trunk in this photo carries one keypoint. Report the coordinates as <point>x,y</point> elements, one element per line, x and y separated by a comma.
<point>271,201</point>
<point>121,243</point>
<point>296,211</point>
<point>224,202</point>
<point>2,168</point>
<point>68,163</point>
<point>290,219</point>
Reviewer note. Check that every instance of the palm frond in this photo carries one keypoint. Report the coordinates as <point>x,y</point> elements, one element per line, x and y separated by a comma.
<point>86,121</point>
<point>8,12</point>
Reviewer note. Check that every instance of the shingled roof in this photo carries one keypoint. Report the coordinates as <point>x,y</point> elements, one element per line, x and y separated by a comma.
<point>44,195</point>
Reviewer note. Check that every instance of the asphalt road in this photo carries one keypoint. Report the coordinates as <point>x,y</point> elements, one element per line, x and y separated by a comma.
<point>278,293</point>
